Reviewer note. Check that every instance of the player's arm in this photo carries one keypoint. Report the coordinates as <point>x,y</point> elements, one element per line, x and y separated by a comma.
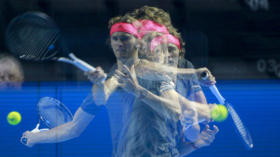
<point>198,96</point>
<point>189,116</point>
<point>101,89</point>
<point>154,100</point>
<point>83,116</point>
<point>203,110</point>
<point>192,112</point>
<point>196,92</point>
<point>202,114</point>
<point>61,133</point>
<point>194,86</point>
<point>150,70</point>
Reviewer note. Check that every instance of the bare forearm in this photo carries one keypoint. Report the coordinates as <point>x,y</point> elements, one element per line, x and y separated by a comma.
<point>154,100</point>
<point>203,110</point>
<point>198,97</point>
<point>59,134</point>
<point>101,92</point>
<point>151,70</point>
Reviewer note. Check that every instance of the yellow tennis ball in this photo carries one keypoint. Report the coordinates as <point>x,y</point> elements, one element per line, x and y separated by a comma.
<point>219,113</point>
<point>14,118</point>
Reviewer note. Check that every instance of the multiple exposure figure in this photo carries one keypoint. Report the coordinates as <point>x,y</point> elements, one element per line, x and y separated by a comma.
<point>152,94</point>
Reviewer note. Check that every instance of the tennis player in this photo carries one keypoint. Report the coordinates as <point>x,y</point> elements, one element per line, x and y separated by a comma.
<point>141,139</point>
<point>125,47</point>
<point>188,88</point>
<point>148,127</point>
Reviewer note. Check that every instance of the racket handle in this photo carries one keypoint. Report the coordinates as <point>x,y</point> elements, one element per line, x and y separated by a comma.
<point>81,64</point>
<point>39,130</point>
<point>77,62</point>
<point>24,140</point>
<point>214,89</point>
<point>36,130</point>
<point>204,76</point>
<point>217,94</point>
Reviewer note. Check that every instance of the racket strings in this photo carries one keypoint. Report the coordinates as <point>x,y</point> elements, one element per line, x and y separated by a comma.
<point>240,126</point>
<point>29,36</point>
<point>49,52</point>
<point>237,121</point>
<point>53,113</point>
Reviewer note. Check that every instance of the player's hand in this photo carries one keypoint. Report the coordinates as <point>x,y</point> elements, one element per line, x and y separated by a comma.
<point>96,76</point>
<point>27,139</point>
<point>210,80</point>
<point>127,79</point>
<point>206,137</point>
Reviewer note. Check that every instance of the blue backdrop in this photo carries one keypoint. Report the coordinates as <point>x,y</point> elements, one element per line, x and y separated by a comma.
<point>255,100</point>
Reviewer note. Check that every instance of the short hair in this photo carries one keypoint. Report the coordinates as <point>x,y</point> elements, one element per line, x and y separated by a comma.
<point>126,18</point>
<point>13,72</point>
<point>160,16</point>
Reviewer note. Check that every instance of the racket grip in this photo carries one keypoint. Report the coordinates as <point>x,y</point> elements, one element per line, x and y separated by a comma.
<point>217,94</point>
<point>24,140</point>
<point>204,76</point>
<point>214,89</point>
<point>77,62</point>
<point>83,65</point>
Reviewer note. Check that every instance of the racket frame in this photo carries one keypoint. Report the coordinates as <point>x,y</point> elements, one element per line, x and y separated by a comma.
<point>41,119</point>
<point>246,137</point>
<point>48,46</point>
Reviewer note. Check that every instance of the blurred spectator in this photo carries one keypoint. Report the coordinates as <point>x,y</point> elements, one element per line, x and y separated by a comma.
<point>11,74</point>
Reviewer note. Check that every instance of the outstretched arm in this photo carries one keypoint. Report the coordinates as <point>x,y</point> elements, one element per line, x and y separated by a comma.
<point>61,133</point>
<point>152,71</point>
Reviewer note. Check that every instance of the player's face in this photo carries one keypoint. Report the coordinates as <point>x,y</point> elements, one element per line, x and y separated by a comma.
<point>172,55</point>
<point>159,54</point>
<point>123,45</point>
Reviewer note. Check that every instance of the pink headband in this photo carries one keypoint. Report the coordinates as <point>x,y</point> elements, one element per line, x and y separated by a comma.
<point>167,38</point>
<point>124,27</point>
<point>147,26</point>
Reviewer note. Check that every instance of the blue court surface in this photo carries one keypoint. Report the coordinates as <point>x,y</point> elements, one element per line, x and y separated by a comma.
<point>257,102</point>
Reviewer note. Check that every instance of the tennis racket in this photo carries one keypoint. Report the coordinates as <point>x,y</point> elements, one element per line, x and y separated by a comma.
<point>51,113</point>
<point>242,130</point>
<point>34,36</point>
